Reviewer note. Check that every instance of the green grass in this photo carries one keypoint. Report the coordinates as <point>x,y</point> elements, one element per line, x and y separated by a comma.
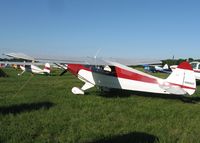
<point>45,110</point>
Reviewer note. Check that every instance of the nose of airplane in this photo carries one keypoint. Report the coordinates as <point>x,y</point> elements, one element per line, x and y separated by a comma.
<point>75,68</point>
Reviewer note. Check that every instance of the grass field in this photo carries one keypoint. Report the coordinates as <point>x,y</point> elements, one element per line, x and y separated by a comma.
<point>45,110</point>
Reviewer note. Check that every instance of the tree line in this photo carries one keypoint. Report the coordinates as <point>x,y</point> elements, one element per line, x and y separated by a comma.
<point>177,61</point>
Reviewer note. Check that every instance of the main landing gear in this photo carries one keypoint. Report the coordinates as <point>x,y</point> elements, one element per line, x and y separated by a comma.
<point>78,91</point>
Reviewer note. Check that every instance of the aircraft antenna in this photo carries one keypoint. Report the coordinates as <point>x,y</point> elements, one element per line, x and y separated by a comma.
<point>96,54</point>
<point>22,87</point>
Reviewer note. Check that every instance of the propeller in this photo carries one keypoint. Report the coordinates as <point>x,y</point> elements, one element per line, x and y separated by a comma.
<point>64,67</point>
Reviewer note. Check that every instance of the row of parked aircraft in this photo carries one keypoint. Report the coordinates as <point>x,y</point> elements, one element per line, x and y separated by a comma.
<point>113,75</point>
<point>28,67</point>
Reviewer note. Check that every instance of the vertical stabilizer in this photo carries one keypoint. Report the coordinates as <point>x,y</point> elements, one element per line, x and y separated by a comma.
<point>182,79</point>
<point>47,68</point>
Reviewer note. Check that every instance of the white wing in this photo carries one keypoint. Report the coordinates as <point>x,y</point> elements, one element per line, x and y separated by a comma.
<point>86,60</point>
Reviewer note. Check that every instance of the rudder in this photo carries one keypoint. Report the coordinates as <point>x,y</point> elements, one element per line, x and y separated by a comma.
<point>182,79</point>
<point>47,68</point>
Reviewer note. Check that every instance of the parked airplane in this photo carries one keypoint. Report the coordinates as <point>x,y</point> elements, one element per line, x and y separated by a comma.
<point>157,68</point>
<point>35,69</point>
<point>181,81</point>
<point>29,67</point>
<point>114,75</point>
<point>195,66</point>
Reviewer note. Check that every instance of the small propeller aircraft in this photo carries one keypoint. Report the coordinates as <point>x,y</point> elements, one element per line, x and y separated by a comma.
<point>117,76</point>
<point>35,69</point>
<point>180,82</point>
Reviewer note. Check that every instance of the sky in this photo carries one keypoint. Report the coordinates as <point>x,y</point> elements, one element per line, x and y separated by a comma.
<point>115,28</point>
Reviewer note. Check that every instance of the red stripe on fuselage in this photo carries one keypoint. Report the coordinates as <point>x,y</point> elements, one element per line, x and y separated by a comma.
<point>122,73</point>
<point>182,86</point>
<point>197,71</point>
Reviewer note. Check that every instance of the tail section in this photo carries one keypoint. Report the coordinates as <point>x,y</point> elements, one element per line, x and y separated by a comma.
<point>166,67</point>
<point>182,80</point>
<point>47,69</point>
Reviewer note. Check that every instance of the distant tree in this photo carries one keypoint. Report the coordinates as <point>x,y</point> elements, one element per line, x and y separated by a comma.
<point>14,60</point>
<point>190,59</point>
<point>172,61</point>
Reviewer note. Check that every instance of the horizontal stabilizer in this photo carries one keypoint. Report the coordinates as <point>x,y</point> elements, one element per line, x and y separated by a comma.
<point>173,89</point>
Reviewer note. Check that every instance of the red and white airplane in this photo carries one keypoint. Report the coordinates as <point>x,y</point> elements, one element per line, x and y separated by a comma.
<point>117,76</point>
<point>181,81</point>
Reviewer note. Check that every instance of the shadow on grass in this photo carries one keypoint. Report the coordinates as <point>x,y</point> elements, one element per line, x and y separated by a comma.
<point>198,82</point>
<point>123,94</point>
<point>2,73</point>
<point>26,107</point>
<point>134,137</point>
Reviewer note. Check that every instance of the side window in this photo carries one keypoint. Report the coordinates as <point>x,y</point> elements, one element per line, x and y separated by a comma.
<point>199,67</point>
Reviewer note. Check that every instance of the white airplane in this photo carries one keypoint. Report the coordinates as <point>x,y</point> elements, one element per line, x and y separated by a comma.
<point>117,76</point>
<point>157,68</point>
<point>28,66</point>
<point>195,66</point>
<point>35,69</point>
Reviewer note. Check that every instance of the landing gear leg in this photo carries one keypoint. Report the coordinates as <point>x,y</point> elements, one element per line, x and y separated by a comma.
<point>77,91</point>
<point>21,73</point>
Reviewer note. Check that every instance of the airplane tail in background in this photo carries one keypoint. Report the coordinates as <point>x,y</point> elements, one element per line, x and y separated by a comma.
<point>181,80</point>
<point>166,67</point>
<point>47,68</point>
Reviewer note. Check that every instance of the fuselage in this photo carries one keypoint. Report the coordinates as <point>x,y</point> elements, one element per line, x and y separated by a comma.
<point>118,78</point>
<point>180,82</point>
<point>32,69</point>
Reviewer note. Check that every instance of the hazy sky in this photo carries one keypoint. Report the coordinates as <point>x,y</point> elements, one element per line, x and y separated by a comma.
<point>121,28</point>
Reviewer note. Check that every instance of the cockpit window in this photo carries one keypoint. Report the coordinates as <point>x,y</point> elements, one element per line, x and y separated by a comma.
<point>199,67</point>
<point>102,70</point>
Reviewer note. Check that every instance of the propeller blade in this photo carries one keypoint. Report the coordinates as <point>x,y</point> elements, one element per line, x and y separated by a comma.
<point>63,72</point>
